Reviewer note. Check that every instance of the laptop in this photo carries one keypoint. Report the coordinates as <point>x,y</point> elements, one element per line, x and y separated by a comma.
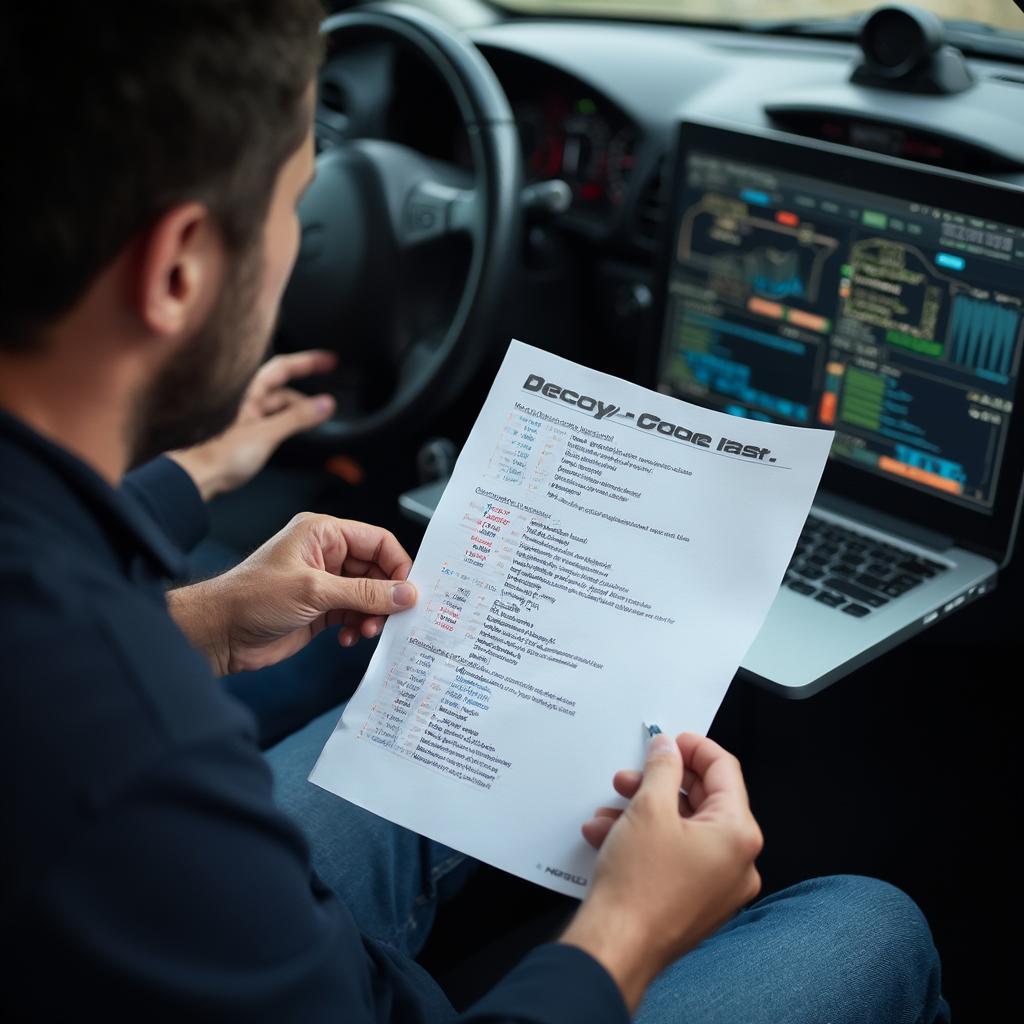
<point>814,284</point>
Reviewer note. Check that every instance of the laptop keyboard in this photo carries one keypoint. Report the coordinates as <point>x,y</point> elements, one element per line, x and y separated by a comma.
<point>852,572</point>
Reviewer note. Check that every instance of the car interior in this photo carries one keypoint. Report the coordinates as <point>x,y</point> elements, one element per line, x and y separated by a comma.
<point>570,173</point>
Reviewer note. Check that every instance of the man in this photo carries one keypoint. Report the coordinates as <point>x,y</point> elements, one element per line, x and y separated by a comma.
<point>149,229</point>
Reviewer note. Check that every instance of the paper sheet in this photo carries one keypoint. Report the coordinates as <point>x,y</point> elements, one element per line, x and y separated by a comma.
<point>602,556</point>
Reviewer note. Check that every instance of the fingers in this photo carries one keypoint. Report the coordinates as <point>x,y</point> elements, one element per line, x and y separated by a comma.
<point>353,548</point>
<point>596,830</point>
<point>720,773</point>
<point>663,771</point>
<point>362,594</point>
<point>348,636</point>
<point>627,782</point>
<point>357,620</point>
<point>373,561</point>
<point>299,415</point>
<point>283,368</point>
<point>355,626</point>
<point>280,398</point>
<point>359,573</point>
<point>359,567</point>
<point>372,545</point>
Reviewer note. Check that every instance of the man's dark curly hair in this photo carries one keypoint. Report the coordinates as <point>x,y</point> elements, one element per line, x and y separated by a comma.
<point>113,111</point>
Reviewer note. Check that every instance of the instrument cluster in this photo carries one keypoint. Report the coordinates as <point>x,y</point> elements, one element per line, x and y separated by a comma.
<point>570,132</point>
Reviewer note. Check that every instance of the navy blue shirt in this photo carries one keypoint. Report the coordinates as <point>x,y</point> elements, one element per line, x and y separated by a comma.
<point>154,877</point>
<point>169,496</point>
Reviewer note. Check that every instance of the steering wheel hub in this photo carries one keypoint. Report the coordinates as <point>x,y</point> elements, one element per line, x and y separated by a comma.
<point>383,226</point>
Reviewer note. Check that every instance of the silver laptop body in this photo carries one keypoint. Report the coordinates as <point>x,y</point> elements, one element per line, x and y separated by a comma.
<point>899,292</point>
<point>804,645</point>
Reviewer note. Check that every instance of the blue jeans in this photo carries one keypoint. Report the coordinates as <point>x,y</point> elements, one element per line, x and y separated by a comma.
<point>826,951</point>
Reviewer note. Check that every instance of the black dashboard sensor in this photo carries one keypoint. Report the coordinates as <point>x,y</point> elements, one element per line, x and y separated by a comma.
<point>904,50</point>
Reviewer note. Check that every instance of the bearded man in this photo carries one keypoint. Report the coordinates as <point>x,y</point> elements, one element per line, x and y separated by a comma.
<point>156,154</point>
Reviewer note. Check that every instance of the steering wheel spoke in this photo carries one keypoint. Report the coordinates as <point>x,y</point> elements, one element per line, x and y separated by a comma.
<point>435,209</point>
<point>417,359</point>
<point>426,199</point>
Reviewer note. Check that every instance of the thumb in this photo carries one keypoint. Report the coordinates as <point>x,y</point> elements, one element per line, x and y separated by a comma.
<point>362,594</point>
<point>298,416</point>
<point>663,771</point>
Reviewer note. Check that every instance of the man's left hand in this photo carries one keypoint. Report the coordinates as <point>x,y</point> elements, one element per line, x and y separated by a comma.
<point>317,572</point>
<point>270,413</point>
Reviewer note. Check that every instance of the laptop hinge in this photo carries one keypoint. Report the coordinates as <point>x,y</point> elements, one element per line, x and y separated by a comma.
<point>881,521</point>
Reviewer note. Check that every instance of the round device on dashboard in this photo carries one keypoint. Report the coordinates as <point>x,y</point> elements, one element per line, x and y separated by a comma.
<point>896,39</point>
<point>905,51</point>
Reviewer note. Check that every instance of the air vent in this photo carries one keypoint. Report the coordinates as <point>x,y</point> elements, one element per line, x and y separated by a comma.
<point>909,142</point>
<point>652,205</point>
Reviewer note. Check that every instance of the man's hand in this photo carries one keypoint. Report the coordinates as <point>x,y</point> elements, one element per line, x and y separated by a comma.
<point>317,572</point>
<point>672,869</point>
<point>270,413</point>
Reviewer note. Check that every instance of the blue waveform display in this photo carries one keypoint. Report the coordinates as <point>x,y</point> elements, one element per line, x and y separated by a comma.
<point>931,463</point>
<point>983,336</point>
<point>727,377</point>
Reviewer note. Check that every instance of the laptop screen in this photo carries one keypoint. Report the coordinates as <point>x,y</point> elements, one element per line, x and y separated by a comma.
<point>898,324</point>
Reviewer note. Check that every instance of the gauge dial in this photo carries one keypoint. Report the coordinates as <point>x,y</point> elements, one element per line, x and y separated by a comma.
<point>576,140</point>
<point>621,161</point>
<point>585,160</point>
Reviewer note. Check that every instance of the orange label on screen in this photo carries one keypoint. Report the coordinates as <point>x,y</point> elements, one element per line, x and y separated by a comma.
<point>921,476</point>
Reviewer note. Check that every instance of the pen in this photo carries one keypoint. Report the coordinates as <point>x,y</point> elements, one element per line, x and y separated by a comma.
<point>653,730</point>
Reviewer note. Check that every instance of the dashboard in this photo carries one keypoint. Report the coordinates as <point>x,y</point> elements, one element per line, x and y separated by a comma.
<point>598,104</point>
<point>570,131</point>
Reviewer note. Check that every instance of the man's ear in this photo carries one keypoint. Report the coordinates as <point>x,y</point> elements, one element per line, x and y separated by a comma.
<point>180,265</point>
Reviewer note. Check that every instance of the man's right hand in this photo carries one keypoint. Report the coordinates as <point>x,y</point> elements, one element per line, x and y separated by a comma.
<point>672,869</point>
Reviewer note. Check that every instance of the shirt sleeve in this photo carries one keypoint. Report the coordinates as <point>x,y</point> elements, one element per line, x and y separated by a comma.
<point>172,500</point>
<point>555,984</point>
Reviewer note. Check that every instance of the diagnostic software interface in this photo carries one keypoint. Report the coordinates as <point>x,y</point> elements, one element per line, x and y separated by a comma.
<point>896,324</point>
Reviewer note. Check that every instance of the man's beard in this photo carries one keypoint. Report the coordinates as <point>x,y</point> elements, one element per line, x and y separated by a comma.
<point>198,394</point>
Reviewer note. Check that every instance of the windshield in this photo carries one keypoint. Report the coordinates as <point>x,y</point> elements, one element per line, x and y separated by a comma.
<point>999,14</point>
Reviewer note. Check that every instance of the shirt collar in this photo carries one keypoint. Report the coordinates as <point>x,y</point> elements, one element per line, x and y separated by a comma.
<point>128,525</point>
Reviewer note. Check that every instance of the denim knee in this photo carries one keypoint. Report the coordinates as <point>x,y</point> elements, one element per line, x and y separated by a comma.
<point>842,949</point>
<point>879,934</point>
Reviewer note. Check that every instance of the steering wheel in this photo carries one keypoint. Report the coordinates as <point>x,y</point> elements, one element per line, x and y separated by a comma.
<point>405,259</point>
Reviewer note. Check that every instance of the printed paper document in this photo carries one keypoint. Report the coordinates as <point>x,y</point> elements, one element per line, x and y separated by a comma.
<point>603,556</point>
